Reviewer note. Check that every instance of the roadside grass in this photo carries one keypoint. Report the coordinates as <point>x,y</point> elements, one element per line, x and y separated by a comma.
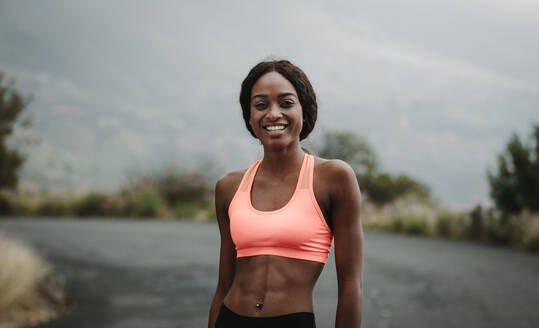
<point>147,199</point>
<point>30,293</point>
<point>142,199</point>
<point>525,231</point>
<point>419,217</point>
<point>450,225</point>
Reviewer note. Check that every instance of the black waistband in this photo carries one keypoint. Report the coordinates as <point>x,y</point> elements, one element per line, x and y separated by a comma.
<point>228,318</point>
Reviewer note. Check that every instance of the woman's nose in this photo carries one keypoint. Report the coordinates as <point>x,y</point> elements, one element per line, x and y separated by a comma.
<point>274,112</point>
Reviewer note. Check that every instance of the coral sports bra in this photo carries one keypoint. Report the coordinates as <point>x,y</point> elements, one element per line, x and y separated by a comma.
<point>297,230</point>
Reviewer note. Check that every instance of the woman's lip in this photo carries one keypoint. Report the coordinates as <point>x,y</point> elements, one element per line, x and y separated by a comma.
<point>275,133</point>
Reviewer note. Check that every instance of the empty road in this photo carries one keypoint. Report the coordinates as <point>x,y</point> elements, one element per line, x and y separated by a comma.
<point>129,274</point>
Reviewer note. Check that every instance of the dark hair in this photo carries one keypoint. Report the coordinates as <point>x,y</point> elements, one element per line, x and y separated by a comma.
<point>299,80</point>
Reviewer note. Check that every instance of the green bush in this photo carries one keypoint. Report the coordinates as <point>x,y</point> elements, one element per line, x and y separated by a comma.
<point>5,206</point>
<point>384,188</point>
<point>415,226</point>
<point>145,202</point>
<point>53,206</point>
<point>498,231</point>
<point>532,244</point>
<point>411,225</point>
<point>187,210</point>
<point>184,187</point>
<point>395,224</point>
<point>114,205</point>
<point>211,210</point>
<point>90,204</point>
<point>443,226</point>
<point>381,225</point>
<point>451,225</point>
<point>460,227</point>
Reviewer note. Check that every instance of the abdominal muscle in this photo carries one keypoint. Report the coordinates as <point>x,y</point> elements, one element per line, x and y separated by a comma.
<point>285,285</point>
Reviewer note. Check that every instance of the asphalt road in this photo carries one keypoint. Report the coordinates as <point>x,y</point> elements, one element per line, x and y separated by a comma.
<point>125,273</point>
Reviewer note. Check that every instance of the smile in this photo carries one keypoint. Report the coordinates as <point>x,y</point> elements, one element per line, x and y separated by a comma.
<point>276,127</point>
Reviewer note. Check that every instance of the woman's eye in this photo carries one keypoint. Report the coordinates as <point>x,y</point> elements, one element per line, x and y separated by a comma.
<point>260,105</point>
<point>287,103</point>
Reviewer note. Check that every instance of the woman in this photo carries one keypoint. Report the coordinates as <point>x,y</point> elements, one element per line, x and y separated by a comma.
<point>277,219</point>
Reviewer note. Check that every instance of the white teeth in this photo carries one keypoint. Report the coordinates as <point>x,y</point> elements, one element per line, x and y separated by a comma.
<point>275,127</point>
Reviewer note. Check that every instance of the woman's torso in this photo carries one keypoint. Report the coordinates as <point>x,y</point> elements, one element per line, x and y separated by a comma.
<point>286,284</point>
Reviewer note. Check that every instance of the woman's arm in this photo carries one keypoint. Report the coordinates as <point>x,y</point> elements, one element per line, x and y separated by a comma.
<point>348,239</point>
<point>227,256</point>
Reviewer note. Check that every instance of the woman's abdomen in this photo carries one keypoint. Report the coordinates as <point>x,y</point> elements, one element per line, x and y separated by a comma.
<point>282,285</point>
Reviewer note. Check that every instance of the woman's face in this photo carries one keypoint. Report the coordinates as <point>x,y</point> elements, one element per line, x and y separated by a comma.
<point>276,113</point>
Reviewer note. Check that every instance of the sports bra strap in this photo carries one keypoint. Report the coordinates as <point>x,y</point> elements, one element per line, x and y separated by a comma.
<point>247,177</point>
<point>306,177</point>
<point>307,173</point>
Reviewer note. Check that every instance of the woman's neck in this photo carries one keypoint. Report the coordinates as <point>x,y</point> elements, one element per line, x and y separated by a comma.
<point>282,161</point>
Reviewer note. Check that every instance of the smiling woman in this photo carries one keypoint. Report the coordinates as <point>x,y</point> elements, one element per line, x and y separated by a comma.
<point>277,114</point>
<point>278,218</point>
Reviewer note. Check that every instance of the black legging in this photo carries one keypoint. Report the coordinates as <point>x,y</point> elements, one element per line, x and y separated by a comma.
<point>229,319</point>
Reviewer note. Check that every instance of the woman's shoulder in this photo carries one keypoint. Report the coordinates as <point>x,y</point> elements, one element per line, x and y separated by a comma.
<point>229,183</point>
<point>334,173</point>
<point>333,167</point>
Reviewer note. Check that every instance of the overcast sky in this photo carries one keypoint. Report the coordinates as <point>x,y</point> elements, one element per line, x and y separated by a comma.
<point>437,87</point>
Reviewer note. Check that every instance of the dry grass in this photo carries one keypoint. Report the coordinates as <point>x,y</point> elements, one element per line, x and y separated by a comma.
<point>401,211</point>
<point>526,234</point>
<point>416,216</point>
<point>29,291</point>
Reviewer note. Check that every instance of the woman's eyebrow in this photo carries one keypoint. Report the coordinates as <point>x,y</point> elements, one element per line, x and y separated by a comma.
<point>280,96</point>
<point>287,94</point>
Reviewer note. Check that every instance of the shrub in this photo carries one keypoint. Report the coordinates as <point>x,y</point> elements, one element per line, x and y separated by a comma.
<point>114,205</point>
<point>384,188</point>
<point>90,204</point>
<point>525,231</point>
<point>187,210</point>
<point>211,210</point>
<point>531,244</point>
<point>460,227</point>
<point>443,226</point>
<point>450,225</point>
<point>21,205</point>
<point>145,201</point>
<point>53,206</point>
<point>30,293</point>
<point>498,231</point>
<point>415,226</point>
<point>184,187</point>
<point>396,224</point>
<point>5,205</point>
<point>20,272</point>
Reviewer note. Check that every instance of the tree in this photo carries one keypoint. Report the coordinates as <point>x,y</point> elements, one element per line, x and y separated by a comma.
<point>515,184</point>
<point>351,148</point>
<point>12,103</point>
<point>380,187</point>
<point>383,188</point>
